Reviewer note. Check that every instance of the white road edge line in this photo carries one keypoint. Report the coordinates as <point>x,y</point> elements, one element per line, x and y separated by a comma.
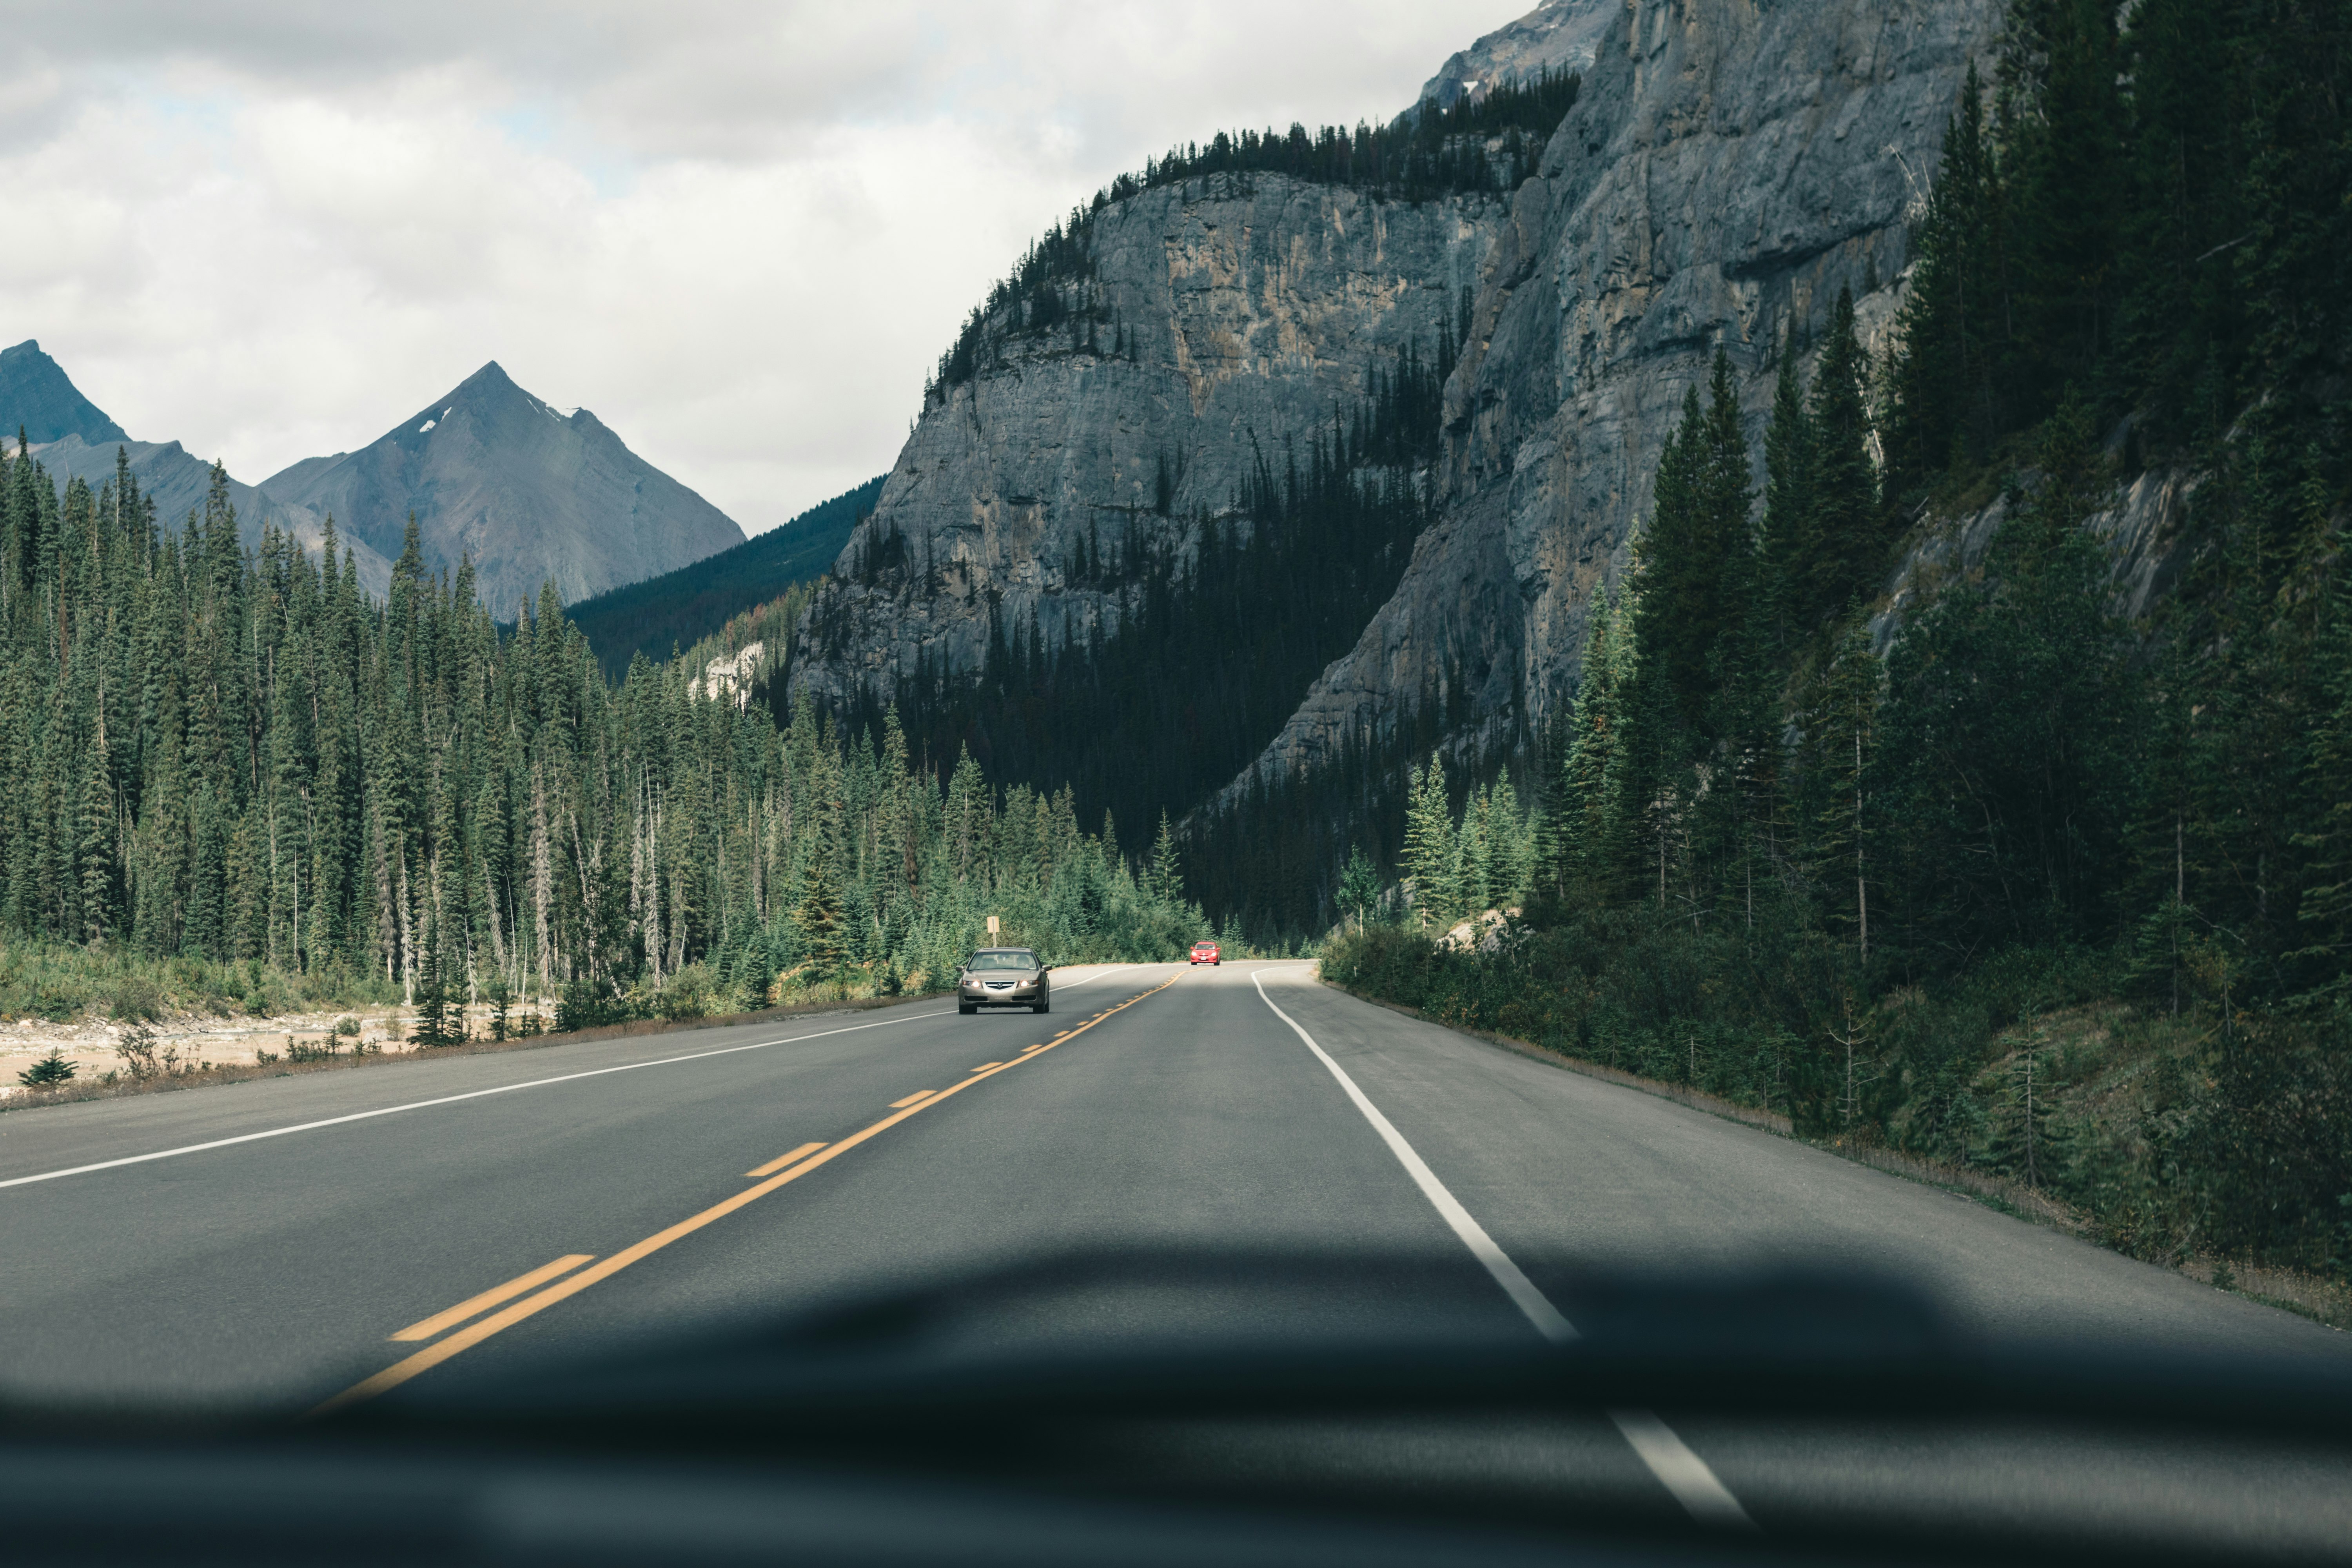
<point>1680,1470</point>
<point>1685,1475</point>
<point>1547,1317</point>
<point>479,1094</point>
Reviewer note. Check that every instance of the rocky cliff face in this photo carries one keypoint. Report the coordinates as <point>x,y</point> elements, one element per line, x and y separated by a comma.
<point>1250,308</point>
<point>1727,168</point>
<point>2141,533</point>
<point>1558,35</point>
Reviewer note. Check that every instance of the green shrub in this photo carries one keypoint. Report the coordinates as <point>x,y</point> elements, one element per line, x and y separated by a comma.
<point>136,999</point>
<point>49,1072</point>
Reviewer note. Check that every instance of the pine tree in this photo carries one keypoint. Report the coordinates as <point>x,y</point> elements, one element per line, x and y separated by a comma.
<point>1786,545</point>
<point>430,998</point>
<point>2067,179</point>
<point>1167,879</point>
<point>1946,395</point>
<point>1849,546</point>
<point>1692,556</point>
<point>101,903</point>
<point>1429,845</point>
<point>1359,887</point>
<point>2326,915</point>
<point>1593,767</point>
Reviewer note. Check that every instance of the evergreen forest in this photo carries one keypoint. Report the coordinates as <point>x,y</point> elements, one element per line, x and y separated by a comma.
<point>2011,881</point>
<point>660,616</point>
<point>235,765</point>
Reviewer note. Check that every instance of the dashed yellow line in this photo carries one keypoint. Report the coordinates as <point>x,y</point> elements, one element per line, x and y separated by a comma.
<point>781,1160</point>
<point>490,1299</point>
<point>433,1355</point>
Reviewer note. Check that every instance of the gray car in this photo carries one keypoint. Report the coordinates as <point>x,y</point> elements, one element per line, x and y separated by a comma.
<point>1004,977</point>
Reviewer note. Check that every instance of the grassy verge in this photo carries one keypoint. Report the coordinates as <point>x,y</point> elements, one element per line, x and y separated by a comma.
<point>59,981</point>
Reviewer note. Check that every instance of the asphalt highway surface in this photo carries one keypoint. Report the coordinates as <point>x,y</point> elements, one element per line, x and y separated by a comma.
<point>326,1238</point>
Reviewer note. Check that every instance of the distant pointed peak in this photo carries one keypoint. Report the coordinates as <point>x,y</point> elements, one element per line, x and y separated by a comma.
<point>490,377</point>
<point>37,396</point>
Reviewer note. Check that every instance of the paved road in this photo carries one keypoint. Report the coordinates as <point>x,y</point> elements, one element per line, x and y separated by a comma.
<point>1169,1106</point>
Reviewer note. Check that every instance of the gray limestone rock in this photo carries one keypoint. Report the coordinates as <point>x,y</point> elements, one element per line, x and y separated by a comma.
<point>1253,306</point>
<point>2140,530</point>
<point>1727,168</point>
<point>1558,35</point>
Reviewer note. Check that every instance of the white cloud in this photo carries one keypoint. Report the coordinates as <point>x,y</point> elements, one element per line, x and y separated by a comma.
<point>739,232</point>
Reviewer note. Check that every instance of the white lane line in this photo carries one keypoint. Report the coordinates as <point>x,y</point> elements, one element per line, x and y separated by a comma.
<point>1547,1317</point>
<point>482,1093</point>
<point>1685,1475</point>
<point>1680,1470</point>
<point>1106,974</point>
<point>450,1100</point>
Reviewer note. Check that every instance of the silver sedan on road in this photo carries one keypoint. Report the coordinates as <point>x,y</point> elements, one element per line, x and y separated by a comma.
<point>1004,977</point>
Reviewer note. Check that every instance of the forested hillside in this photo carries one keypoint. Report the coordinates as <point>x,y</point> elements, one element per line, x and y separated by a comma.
<point>234,757</point>
<point>1483,145</point>
<point>677,609</point>
<point>2039,890</point>
<point>1211,646</point>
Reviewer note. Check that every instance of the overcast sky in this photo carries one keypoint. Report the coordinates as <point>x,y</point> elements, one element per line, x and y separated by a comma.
<point>739,232</point>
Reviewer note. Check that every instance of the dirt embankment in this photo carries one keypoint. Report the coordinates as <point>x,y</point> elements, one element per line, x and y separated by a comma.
<point>198,1044</point>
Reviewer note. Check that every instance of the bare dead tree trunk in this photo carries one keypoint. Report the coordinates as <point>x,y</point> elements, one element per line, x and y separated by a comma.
<point>1861,886</point>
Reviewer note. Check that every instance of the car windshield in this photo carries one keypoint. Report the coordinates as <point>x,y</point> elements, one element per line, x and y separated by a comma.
<point>1791,939</point>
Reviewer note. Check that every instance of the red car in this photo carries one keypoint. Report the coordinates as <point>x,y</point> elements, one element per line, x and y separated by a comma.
<point>1205,952</point>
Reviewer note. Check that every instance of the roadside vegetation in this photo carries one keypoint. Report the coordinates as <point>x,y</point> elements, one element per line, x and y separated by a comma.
<point>231,783</point>
<point>2012,884</point>
<point>60,981</point>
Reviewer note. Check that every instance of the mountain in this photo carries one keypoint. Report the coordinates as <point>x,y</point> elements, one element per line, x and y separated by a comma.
<point>678,609</point>
<point>44,404</point>
<point>1097,428</point>
<point>1222,338</point>
<point>177,482</point>
<point>73,438</point>
<point>532,494</point>
<point>1558,36</point>
<point>1726,172</point>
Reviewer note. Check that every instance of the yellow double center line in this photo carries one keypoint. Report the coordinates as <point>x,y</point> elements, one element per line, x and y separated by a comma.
<point>457,1343</point>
